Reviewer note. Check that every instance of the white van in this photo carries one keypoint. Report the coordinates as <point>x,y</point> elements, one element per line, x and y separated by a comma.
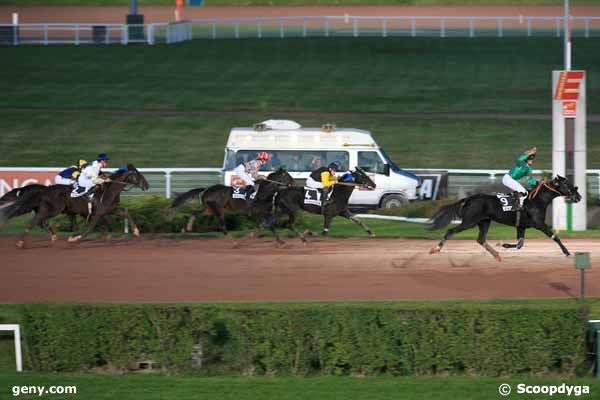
<point>302,150</point>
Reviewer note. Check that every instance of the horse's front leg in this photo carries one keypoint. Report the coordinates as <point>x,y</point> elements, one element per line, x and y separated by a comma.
<point>347,214</point>
<point>125,214</point>
<point>520,240</point>
<point>546,229</point>
<point>91,226</point>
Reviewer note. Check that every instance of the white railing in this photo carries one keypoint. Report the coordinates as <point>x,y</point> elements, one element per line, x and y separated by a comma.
<point>166,181</point>
<point>307,26</point>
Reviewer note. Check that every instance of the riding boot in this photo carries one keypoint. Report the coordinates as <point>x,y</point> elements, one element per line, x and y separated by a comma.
<point>324,201</point>
<point>249,195</point>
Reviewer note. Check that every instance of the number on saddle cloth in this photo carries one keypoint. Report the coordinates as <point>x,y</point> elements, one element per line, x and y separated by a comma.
<point>312,196</point>
<point>507,201</point>
<point>239,193</point>
<point>79,191</point>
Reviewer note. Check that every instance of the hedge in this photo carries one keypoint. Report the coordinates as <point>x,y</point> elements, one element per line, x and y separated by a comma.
<point>151,215</point>
<point>307,339</point>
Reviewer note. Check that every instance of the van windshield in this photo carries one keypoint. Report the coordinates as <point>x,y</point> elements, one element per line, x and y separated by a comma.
<point>397,170</point>
<point>291,160</point>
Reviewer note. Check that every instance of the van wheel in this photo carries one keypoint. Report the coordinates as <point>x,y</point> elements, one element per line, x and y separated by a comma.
<point>393,201</point>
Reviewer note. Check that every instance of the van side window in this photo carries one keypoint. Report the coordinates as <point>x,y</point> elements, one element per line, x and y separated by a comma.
<point>370,161</point>
<point>291,160</point>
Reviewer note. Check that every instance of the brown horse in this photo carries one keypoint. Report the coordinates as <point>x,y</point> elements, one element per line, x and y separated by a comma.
<point>57,199</point>
<point>218,198</point>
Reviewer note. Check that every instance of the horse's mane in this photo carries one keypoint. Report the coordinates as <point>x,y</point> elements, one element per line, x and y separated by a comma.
<point>118,173</point>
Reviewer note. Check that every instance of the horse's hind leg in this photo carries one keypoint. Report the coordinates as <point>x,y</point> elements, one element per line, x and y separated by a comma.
<point>449,233</point>
<point>290,226</point>
<point>484,226</point>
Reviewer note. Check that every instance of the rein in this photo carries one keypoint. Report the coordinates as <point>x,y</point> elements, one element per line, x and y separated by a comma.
<point>544,183</point>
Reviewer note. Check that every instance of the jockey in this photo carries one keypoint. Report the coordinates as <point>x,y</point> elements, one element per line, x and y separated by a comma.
<point>90,176</point>
<point>521,168</point>
<point>249,171</point>
<point>323,178</point>
<point>68,176</point>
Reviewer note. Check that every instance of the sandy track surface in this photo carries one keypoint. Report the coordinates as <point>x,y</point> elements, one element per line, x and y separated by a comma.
<point>164,14</point>
<point>207,269</point>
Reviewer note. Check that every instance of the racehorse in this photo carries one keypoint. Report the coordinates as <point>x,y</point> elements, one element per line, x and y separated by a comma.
<point>33,193</point>
<point>482,209</point>
<point>291,200</point>
<point>57,199</point>
<point>218,198</point>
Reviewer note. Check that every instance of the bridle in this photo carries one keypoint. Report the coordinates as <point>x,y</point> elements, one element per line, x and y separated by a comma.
<point>545,184</point>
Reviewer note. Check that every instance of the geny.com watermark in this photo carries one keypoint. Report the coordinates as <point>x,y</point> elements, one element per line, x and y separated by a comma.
<point>42,390</point>
<point>505,389</point>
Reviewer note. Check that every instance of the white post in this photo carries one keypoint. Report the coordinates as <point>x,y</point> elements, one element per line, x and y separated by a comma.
<point>471,28</point>
<point>413,28</point>
<point>168,184</point>
<point>500,27</point>
<point>442,28</point>
<point>259,30</point>
<point>18,355</point>
<point>281,31</point>
<point>528,26</point>
<point>76,34</point>
<point>46,35</point>
<point>17,333</point>
<point>384,28</point>
<point>354,27</point>
<point>150,34</point>
<point>326,27</point>
<point>304,28</point>
<point>567,38</point>
<point>214,30</point>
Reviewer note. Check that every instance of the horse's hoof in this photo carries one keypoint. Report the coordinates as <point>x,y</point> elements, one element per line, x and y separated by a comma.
<point>136,232</point>
<point>252,235</point>
<point>372,235</point>
<point>435,250</point>
<point>498,258</point>
<point>567,254</point>
<point>73,239</point>
<point>54,238</point>
<point>21,244</point>
<point>307,233</point>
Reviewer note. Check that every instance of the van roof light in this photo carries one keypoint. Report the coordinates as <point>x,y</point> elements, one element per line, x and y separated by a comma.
<point>259,127</point>
<point>328,127</point>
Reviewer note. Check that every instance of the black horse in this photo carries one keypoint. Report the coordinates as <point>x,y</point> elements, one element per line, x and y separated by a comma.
<point>34,194</point>
<point>57,200</point>
<point>219,198</point>
<point>291,200</point>
<point>482,209</point>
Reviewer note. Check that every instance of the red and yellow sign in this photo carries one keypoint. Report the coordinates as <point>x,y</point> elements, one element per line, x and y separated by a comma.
<point>569,84</point>
<point>569,108</point>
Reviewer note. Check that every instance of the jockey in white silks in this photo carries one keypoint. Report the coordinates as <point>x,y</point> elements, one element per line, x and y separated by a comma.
<point>248,172</point>
<point>69,176</point>
<point>91,176</point>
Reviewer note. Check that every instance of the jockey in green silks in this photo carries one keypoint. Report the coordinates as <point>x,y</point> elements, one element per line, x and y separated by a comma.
<point>522,168</point>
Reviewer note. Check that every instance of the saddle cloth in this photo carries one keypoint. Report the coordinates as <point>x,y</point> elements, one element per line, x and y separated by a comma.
<point>79,191</point>
<point>239,193</point>
<point>507,201</point>
<point>314,196</point>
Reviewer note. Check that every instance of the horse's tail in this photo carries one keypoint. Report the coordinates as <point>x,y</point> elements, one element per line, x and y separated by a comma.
<point>184,197</point>
<point>19,206</point>
<point>445,215</point>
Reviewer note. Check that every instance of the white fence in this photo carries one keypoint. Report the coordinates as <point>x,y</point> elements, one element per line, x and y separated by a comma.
<point>167,181</point>
<point>297,27</point>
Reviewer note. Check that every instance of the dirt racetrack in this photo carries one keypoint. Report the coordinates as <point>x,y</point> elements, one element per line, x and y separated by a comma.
<point>208,269</point>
